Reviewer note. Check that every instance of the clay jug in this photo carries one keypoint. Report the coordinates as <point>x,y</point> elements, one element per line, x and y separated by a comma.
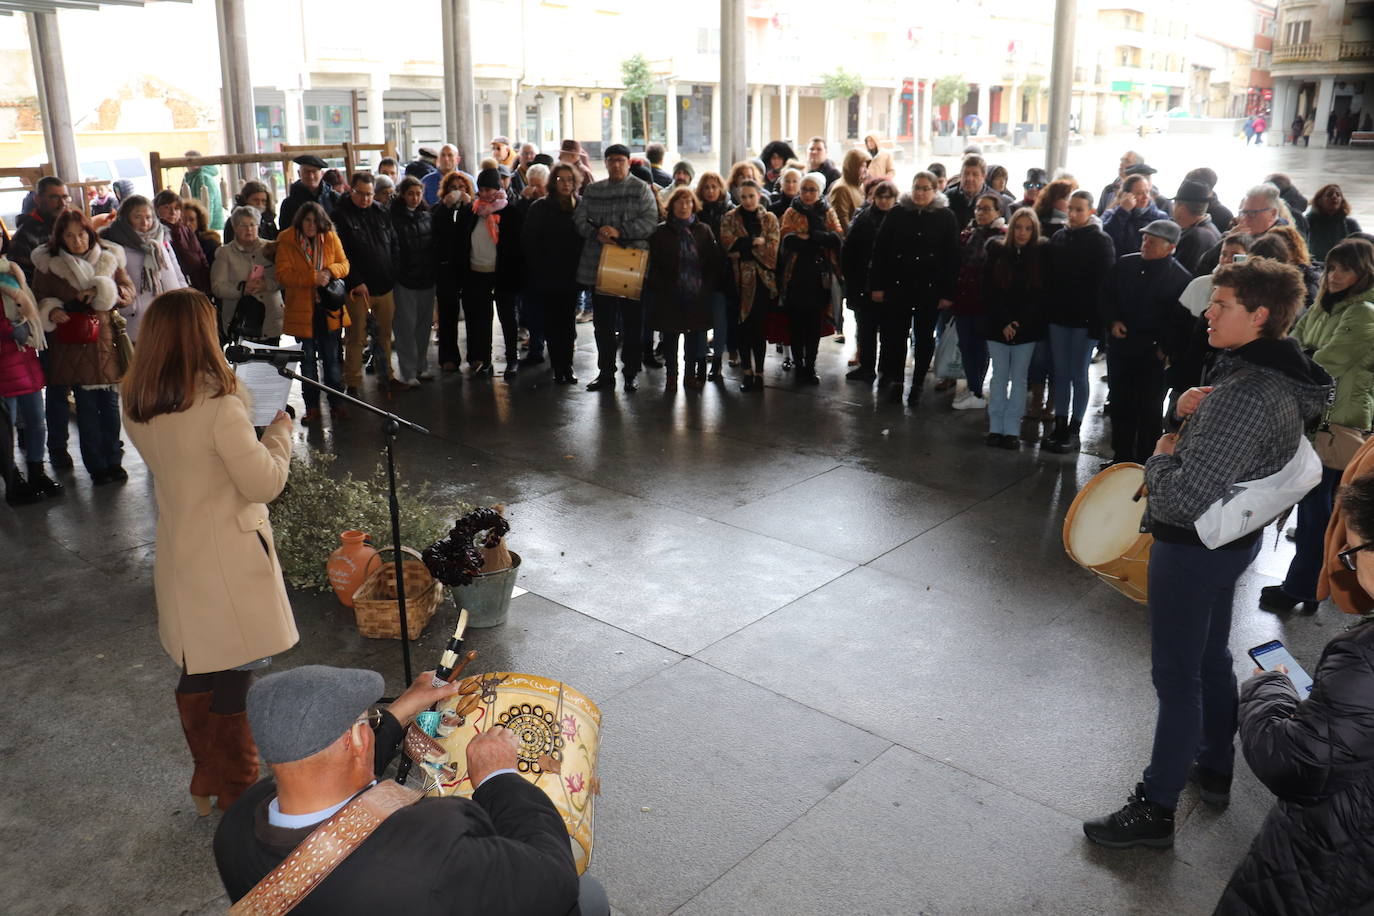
<point>348,566</point>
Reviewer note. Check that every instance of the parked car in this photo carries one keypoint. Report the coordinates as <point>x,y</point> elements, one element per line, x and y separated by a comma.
<point>1153,122</point>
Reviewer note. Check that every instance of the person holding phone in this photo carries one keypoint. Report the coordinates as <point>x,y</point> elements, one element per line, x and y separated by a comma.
<point>1313,853</point>
<point>1263,394</point>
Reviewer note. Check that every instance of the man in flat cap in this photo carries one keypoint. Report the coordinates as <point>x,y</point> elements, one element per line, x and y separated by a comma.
<point>309,187</point>
<point>504,851</point>
<point>1199,233</point>
<point>1147,323</point>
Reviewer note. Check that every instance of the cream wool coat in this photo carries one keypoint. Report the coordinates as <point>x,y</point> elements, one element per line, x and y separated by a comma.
<point>221,601</point>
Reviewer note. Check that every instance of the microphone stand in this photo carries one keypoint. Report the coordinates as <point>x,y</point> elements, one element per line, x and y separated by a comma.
<point>391,425</point>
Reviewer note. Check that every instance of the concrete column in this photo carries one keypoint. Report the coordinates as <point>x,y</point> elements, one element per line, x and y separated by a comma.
<point>293,118</point>
<point>460,113</point>
<point>756,121</point>
<point>617,118</point>
<point>927,110</point>
<point>234,51</point>
<point>567,111</point>
<point>865,119</point>
<point>715,120</point>
<point>376,111</point>
<point>794,116</point>
<point>513,113</point>
<point>785,128</point>
<point>671,109</point>
<point>1061,85</point>
<point>732,83</point>
<point>1281,112</point>
<point>894,112</point>
<point>1326,90</point>
<point>50,75</point>
<point>1012,106</point>
<point>984,102</point>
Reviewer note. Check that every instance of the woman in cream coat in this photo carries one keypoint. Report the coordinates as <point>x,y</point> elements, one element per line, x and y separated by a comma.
<point>221,603</point>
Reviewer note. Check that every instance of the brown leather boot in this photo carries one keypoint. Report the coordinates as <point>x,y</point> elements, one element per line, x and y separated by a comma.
<point>238,756</point>
<point>195,723</point>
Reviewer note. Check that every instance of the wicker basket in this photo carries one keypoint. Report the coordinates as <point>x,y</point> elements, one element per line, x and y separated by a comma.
<point>374,603</point>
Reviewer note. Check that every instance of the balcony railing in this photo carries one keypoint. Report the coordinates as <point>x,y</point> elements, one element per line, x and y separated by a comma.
<point>1357,50</point>
<point>1312,50</point>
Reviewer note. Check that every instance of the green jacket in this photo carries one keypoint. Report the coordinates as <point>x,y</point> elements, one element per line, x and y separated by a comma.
<point>1341,341</point>
<point>203,185</point>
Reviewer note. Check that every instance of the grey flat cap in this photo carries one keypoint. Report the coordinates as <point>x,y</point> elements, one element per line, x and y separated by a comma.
<point>1166,229</point>
<point>301,712</point>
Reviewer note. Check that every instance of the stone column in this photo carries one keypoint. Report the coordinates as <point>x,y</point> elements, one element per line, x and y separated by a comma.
<point>513,113</point>
<point>567,107</point>
<point>50,75</point>
<point>984,102</point>
<point>460,113</point>
<point>1281,112</point>
<point>293,118</point>
<point>376,111</point>
<point>894,112</point>
<point>927,110</point>
<point>732,84</point>
<point>1326,89</point>
<point>617,118</point>
<point>865,123</point>
<point>785,129</point>
<point>670,110</point>
<point>794,116</point>
<point>715,122</point>
<point>1061,85</point>
<point>756,121</point>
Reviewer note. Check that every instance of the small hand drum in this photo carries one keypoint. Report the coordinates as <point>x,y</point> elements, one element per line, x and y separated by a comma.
<point>559,731</point>
<point>1102,530</point>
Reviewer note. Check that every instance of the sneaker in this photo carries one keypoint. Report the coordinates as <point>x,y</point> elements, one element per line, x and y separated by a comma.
<point>413,382</point>
<point>969,401</point>
<point>1140,823</point>
<point>1214,787</point>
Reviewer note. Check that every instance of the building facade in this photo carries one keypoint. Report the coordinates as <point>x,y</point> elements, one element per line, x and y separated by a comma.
<point>1323,67</point>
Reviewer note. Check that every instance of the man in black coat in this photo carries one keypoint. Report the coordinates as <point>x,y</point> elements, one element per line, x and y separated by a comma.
<point>35,228</point>
<point>504,851</point>
<point>817,161</point>
<point>369,241</point>
<point>309,187</point>
<point>1143,315</point>
<point>972,185</point>
<point>1199,233</point>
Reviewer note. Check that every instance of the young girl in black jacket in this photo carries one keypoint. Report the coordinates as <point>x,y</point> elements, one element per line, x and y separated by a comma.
<point>1014,280</point>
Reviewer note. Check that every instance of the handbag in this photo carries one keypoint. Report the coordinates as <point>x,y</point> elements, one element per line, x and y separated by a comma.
<point>330,298</point>
<point>1336,445</point>
<point>249,315</point>
<point>1252,504</point>
<point>124,347</point>
<point>79,328</point>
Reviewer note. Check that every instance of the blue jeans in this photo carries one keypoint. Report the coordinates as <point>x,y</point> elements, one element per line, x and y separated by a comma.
<point>59,415</point>
<point>324,348</point>
<point>1191,593</point>
<point>1007,399</point>
<point>1072,352</point>
<point>97,422</point>
<point>1041,364</point>
<point>973,350</point>
<point>27,410</point>
<point>1313,514</point>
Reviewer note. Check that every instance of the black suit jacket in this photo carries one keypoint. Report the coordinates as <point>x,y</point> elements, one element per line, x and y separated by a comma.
<point>505,851</point>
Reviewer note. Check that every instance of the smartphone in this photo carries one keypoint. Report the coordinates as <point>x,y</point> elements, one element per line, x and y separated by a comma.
<point>1239,258</point>
<point>1272,654</point>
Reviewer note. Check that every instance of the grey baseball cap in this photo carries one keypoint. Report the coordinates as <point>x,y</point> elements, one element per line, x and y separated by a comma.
<point>1166,229</point>
<point>301,712</point>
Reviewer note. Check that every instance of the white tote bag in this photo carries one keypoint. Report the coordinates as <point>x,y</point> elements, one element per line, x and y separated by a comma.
<point>1252,504</point>
<point>949,361</point>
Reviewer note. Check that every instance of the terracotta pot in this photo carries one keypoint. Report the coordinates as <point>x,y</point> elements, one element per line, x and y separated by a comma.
<point>348,566</point>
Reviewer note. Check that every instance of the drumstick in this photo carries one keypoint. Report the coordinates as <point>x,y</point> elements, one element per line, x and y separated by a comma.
<point>1145,488</point>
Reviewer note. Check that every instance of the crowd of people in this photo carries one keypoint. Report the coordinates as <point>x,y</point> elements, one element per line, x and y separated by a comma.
<point>1249,330</point>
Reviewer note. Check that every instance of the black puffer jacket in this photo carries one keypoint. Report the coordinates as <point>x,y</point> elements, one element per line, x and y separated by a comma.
<point>300,194</point>
<point>1015,289</point>
<point>415,238</point>
<point>1315,852</point>
<point>857,249</point>
<point>916,254</point>
<point>510,257</point>
<point>1080,260</point>
<point>370,243</point>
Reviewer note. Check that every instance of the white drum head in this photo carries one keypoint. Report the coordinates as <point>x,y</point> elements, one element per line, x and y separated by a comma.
<point>1107,521</point>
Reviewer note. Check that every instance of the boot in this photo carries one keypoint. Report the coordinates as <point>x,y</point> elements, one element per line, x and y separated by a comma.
<point>195,723</point>
<point>701,370</point>
<point>41,483</point>
<point>18,492</point>
<point>715,375</point>
<point>237,754</point>
<point>1057,436</point>
<point>1035,399</point>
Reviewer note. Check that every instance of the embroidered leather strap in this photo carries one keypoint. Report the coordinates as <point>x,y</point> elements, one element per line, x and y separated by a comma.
<point>320,853</point>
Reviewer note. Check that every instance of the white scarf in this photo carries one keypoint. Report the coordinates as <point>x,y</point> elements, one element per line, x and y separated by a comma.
<point>82,267</point>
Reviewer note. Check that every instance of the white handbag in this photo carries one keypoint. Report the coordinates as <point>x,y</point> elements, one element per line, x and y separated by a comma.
<point>1252,504</point>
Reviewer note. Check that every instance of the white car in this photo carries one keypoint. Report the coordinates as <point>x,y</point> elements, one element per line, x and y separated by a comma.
<point>1154,122</point>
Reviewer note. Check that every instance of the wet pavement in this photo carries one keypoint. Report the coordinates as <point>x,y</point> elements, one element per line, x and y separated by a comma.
<point>843,662</point>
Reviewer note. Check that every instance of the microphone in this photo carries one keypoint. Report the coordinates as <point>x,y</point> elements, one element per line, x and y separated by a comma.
<point>237,353</point>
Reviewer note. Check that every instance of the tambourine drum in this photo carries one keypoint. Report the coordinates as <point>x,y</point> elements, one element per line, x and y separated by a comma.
<point>559,731</point>
<point>620,271</point>
<point>1102,530</point>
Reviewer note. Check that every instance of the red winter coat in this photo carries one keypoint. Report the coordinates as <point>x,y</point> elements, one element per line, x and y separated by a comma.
<point>19,370</point>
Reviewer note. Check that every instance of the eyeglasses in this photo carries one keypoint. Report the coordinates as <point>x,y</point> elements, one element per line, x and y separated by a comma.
<point>1347,556</point>
<point>372,716</point>
<point>1250,213</point>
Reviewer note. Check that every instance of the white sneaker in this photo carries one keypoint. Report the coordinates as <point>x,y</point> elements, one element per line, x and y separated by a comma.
<point>971,402</point>
<point>411,382</point>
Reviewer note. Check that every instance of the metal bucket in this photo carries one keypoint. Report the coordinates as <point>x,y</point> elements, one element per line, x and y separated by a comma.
<point>487,598</point>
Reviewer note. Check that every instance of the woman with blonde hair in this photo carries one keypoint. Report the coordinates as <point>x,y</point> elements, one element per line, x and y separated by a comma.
<point>221,603</point>
<point>846,196</point>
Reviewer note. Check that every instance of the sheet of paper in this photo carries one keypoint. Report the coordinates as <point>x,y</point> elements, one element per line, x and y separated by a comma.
<point>269,388</point>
